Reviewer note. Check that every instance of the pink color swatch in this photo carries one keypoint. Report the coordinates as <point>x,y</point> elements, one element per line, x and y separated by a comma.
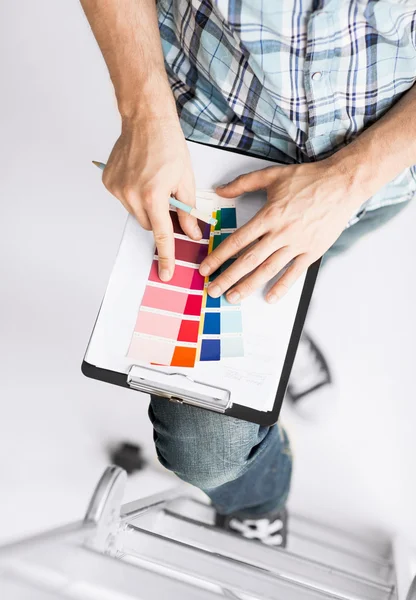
<point>182,276</point>
<point>159,325</point>
<point>160,351</point>
<point>163,298</point>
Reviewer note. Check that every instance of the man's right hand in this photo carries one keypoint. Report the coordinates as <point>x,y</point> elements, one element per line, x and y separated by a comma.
<point>149,163</point>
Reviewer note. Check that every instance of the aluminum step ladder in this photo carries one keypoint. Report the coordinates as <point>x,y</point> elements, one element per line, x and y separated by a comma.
<point>166,547</point>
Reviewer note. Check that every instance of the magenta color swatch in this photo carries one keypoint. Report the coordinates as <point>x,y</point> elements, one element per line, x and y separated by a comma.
<point>198,281</point>
<point>193,305</point>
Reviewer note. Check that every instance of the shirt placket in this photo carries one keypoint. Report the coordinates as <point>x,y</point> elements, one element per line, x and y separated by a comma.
<point>319,94</point>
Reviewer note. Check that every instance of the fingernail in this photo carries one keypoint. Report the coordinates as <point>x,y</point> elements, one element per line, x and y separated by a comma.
<point>164,274</point>
<point>197,232</point>
<point>223,185</point>
<point>233,297</point>
<point>272,299</point>
<point>204,270</point>
<point>214,290</point>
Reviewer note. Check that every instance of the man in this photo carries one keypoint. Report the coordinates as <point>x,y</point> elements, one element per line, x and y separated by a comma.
<point>323,86</point>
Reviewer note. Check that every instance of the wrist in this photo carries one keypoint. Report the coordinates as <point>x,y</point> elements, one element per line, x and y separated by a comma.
<point>353,174</point>
<point>147,100</point>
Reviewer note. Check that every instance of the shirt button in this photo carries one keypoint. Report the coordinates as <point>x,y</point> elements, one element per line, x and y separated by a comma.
<point>317,76</point>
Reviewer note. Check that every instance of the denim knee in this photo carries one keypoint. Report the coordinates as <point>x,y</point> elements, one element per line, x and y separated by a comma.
<point>203,448</point>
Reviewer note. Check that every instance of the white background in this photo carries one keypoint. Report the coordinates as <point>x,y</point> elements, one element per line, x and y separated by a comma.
<point>59,232</point>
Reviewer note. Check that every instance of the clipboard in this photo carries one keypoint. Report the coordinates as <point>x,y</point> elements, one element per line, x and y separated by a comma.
<point>217,387</point>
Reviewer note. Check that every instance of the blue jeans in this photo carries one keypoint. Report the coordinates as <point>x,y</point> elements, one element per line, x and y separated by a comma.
<point>241,466</point>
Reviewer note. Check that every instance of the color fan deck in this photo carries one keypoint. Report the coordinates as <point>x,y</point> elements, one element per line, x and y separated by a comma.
<point>178,323</point>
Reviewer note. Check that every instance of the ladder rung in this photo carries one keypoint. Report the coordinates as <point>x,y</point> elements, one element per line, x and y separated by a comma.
<point>239,577</point>
<point>280,563</point>
<point>306,538</point>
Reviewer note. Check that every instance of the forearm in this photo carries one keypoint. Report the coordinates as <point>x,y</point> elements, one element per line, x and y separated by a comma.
<point>383,150</point>
<point>128,35</point>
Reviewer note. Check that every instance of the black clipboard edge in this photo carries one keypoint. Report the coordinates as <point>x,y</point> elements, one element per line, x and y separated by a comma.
<point>271,417</point>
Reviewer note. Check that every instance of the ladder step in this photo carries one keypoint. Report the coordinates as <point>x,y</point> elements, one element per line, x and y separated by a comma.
<point>308,539</point>
<point>240,578</point>
<point>279,563</point>
<point>379,552</point>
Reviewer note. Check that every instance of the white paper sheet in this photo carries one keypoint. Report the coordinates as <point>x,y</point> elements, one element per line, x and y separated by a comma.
<point>252,380</point>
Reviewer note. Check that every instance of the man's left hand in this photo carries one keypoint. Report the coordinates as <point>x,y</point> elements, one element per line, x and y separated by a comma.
<point>307,208</point>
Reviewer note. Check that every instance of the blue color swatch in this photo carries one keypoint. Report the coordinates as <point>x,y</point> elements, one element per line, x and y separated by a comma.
<point>228,218</point>
<point>210,350</point>
<point>224,301</point>
<point>212,323</point>
<point>222,328</point>
<point>231,321</point>
<point>213,302</point>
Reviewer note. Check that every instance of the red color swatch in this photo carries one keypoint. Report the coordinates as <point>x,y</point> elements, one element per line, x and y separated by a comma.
<point>188,331</point>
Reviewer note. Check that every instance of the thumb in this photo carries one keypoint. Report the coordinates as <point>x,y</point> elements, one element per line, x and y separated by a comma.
<point>250,182</point>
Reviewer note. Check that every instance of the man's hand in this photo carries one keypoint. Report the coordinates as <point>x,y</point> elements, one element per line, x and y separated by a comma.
<point>149,163</point>
<point>150,160</point>
<point>307,208</point>
<point>309,205</point>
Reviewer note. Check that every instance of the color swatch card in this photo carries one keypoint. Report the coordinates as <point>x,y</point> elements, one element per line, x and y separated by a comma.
<point>178,324</point>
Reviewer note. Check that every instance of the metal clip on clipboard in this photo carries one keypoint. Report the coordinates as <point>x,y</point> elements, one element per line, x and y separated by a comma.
<point>179,387</point>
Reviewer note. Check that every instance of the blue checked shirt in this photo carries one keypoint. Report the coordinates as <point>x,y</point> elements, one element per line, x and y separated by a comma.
<point>290,80</point>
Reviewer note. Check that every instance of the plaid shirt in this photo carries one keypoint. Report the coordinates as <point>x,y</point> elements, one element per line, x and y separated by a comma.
<point>290,80</point>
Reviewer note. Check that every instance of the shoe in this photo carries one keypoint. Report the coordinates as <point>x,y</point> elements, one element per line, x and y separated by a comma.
<point>269,529</point>
<point>310,371</point>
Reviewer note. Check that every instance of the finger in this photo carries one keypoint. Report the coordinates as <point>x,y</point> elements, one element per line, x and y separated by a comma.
<point>188,223</point>
<point>288,279</point>
<point>162,227</point>
<point>250,182</point>
<point>130,202</point>
<point>140,215</point>
<point>260,276</point>
<point>252,258</point>
<point>234,243</point>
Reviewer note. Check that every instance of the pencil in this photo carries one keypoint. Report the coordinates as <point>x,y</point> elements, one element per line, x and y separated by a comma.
<point>177,203</point>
